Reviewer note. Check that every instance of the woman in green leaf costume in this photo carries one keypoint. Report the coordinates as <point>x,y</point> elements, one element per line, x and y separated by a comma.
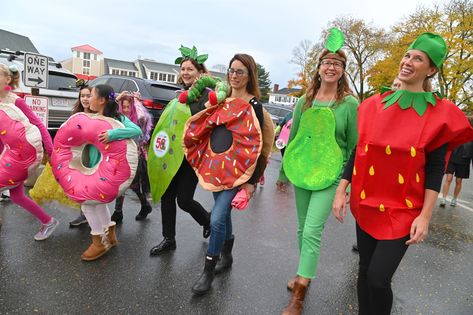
<point>323,135</point>
<point>171,176</point>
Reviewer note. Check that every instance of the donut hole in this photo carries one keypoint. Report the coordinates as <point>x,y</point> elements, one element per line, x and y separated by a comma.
<point>221,139</point>
<point>81,161</point>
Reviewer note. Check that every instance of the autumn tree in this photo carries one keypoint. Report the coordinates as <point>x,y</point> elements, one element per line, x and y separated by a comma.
<point>304,56</point>
<point>363,44</point>
<point>454,22</point>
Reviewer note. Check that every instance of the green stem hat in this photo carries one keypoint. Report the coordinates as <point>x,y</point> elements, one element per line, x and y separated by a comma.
<point>187,52</point>
<point>433,45</point>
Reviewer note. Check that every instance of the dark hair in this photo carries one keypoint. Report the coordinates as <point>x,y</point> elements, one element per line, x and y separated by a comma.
<point>252,86</point>
<point>78,108</point>
<point>200,67</point>
<point>111,108</point>
<point>343,88</point>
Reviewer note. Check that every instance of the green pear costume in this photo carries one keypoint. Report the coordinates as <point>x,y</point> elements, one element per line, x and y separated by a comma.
<point>321,141</point>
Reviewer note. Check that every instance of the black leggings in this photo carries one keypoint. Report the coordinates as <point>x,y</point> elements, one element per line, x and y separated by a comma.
<point>182,188</point>
<point>378,262</point>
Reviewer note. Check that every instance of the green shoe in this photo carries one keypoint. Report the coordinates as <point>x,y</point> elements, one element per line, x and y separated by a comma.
<point>453,203</point>
<point>443,202</point>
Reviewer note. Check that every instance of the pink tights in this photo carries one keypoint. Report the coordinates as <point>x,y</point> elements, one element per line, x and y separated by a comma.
<point>17,195</point>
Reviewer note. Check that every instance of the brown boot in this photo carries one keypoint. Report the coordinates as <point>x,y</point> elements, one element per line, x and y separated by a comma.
<point>290,283</point>
<point>112,234</point>
<point>99,247</point>
<point>297,300</point>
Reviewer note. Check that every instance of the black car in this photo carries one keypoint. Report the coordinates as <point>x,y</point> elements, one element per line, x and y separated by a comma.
<point>277,112</point>
<point>155,95</point>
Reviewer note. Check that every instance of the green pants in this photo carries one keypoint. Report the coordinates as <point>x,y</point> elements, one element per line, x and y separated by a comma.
<point>313,209</point>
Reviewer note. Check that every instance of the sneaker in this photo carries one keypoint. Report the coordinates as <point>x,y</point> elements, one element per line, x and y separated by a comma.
<point>453,203</point>
<point>46,230</point>
<point>443,202</point>
<point>4,197</point>
<point>81,219</point>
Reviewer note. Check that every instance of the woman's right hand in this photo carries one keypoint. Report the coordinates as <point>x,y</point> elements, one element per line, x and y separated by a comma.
<point>282,186</point>
<point>339,207</point>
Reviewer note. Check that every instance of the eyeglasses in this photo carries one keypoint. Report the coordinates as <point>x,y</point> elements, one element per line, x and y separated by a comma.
<point>238,72</point>
<point>328,64</point>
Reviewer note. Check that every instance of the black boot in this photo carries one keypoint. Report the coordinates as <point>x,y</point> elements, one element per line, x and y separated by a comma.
<point>206,231</point>
<point>204,283</point>
<point>226,260</point>
<point>117,216</point>
<point>166,245</point>
<point>145,210</point>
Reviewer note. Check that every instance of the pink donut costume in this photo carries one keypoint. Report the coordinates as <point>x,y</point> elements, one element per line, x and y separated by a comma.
<point>21,148</point>
<point>100,183</point>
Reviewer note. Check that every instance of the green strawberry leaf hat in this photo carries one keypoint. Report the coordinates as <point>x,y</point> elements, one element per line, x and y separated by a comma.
<point>433,45</point>
<point>191,53</point>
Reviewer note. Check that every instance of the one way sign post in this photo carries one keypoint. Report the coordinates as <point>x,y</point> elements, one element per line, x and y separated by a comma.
<point>36,71</point>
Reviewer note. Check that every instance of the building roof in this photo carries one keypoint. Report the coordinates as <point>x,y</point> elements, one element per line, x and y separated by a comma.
<point>119,64</point>
<point>159,66</point>
<point>15,42</point>
<point>285,91</point>
<point>87,48</point>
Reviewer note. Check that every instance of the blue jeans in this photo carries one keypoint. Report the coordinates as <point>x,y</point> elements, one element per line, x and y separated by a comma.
<point>221,220</point>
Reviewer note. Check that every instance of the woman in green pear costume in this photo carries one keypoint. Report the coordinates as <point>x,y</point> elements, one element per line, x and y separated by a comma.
<point>323,135</point>
<point>171,176</point>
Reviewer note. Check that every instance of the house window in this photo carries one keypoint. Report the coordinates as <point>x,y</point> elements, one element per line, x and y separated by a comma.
<point>132,74</point>
<point>115,71</point>
<point>162,77</point>
<point>78,54</point>
<point>95,57</point>
<point>85,71</point>
<point>87,56</point>
<point>153,76</point>
<point>171,78</point>
<point>86,63</point>
<point>123,72</point>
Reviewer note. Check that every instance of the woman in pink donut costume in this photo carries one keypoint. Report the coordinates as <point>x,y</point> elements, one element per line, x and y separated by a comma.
<point>96,178</point>
<point>223,144</point>
<point>17,155</point>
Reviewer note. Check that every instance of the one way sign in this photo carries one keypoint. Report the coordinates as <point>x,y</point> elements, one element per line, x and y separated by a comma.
<point>36,71</point>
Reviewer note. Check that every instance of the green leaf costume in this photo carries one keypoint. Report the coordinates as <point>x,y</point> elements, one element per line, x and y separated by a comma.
<point>165,153</point>
<point>313,160</point>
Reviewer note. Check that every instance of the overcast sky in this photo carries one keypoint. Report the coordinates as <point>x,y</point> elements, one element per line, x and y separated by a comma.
<point>267,30</point>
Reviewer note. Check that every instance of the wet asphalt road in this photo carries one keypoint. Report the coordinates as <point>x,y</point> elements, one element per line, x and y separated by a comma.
<point>49,278</point>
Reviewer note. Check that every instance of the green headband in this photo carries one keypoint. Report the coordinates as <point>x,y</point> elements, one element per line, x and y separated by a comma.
<point>433,45</point>
<point>192,54</point>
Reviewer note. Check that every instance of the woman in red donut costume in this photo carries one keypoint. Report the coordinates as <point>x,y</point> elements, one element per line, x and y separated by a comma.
<point>223,144</point>
<point>397,168</point>
<point>9,78</point>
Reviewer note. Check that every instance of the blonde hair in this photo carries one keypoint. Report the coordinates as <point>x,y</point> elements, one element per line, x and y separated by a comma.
<point>14,76</point>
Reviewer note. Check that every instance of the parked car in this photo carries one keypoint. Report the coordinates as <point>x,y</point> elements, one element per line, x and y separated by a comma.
<point>62,92</point>
<point>155,95</point>
<point>277,112</point>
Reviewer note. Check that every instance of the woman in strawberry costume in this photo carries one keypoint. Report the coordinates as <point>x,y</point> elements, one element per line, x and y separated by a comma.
<point>396,170</point>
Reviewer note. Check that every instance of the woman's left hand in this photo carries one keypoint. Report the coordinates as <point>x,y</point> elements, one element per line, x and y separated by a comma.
<point>250,189</point>
<point>419,230</point>
<point>103,137</point>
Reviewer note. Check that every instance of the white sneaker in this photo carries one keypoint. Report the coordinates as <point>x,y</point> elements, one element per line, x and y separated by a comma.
<point>46,230</point>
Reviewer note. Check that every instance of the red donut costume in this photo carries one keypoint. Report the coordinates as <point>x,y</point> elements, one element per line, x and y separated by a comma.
<point>223,170</point>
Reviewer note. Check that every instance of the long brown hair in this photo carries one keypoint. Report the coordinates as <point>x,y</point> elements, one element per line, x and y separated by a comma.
<point>252,86</point>
<point>343,88</point>
<point>200,67</point>
<point>78,108</point>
